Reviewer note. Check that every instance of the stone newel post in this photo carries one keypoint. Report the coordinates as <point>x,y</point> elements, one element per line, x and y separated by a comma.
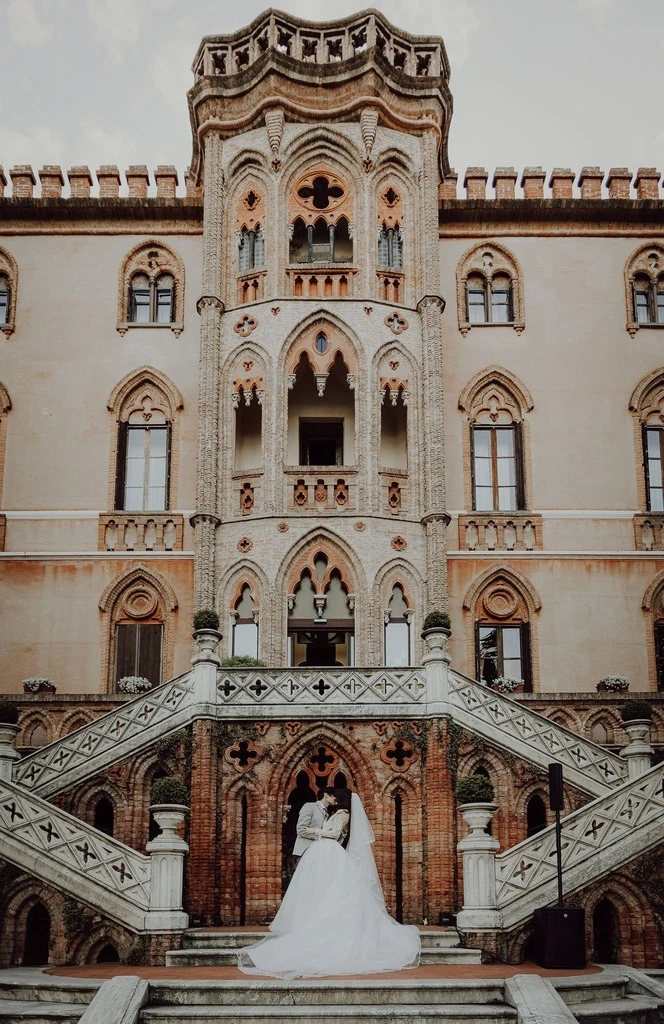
<point>167,855</point>
<point>479,870</point>
<point>638,751</point>
<point>205,664</point>
<point>436,663</point>
<point>8,755</point>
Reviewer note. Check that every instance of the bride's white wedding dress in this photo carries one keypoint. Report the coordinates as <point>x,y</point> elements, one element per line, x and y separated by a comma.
<point>333,919</point>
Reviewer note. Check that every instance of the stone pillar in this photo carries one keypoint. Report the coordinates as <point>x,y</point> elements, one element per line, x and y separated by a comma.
<point>479,871</point>
<point>8,755</point>
<point>638,752</point>
<point>204,860</point>
<point>210,308</point>
<point>167,856</point>
<point>205,664</point>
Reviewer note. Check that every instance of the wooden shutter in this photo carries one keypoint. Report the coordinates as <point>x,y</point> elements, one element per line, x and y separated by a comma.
<point>525,658</point>
<point>149,657</point>
<point>520,474</point>
<point>121,465</point>
<point>126,635</point>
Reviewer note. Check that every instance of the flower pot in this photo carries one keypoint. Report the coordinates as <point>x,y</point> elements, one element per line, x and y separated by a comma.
<point>436,637</point>
<point>477,816</point>
<point>206,641</point>
<point>169,817</point>
<point>637,729</point>
<point>42,689</point>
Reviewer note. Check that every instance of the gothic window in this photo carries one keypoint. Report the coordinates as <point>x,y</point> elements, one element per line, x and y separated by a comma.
<point>489,288</point>
<point>502,650</point>
<point>653,442</point>
<point>37,937</point>
<point>497,468</point>
<point>390,248</point>
<point>398,619</point>
<point>251,249</point>
<point>320,219</point>
<point>321,617</point>
<point>8,285</point>
<point>501,626</point>
<point>138,650</point>
<point>104,816</point>
<point>245,625</point>
<point>644,288</point>
<point>647,407</point>
<point>535,815</point>
<point>151,288</point>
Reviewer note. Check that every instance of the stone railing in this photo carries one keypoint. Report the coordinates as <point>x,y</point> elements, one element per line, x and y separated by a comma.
<point>394,490</point>
<point>311,281</point>
<point>597,839</point>
<point>79,860</point>
<point>141,531</point>
<point>326,43</point>
<point>500,531</point>
<point>513,726</point>
<point>391,286</point>
<point>110,738</point>
<point>315,690</point>
<point>321,490</point>
<point>251,287</point>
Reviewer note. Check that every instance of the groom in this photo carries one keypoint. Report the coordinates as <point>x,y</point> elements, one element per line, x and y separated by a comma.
<point>311,819</point>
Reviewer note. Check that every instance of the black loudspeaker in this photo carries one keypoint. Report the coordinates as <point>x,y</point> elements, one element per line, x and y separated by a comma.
<point>556,796</point>
<point>560,937</point>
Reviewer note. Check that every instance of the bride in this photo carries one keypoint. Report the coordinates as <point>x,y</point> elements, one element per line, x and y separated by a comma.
<point>333,919</point>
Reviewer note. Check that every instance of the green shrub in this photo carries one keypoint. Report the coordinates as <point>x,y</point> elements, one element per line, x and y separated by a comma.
<point>437,620</point>
<point>636,709</point>
<point>242,661</point>
<point>475,789</point>
<point>206,618</point>
<point>169,790</point>
<point>8,713</point>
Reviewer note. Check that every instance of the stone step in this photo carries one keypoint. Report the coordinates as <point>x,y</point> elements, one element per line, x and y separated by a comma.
<point>449,1013</point>
<point>264,992</point>
<point>591,988</point>
<point>44,988</point>
<point>220,957</point>
<point>40,1011</point>
<point>628,1010</point>
<point>228,938</point>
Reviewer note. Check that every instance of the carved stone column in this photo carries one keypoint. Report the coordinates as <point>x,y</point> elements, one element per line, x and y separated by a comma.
<point>430,308</point>
<point>211,309</point>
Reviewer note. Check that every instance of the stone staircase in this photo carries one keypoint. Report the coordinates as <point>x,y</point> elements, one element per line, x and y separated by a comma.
<point>617,995</point>
<point>218,947</point>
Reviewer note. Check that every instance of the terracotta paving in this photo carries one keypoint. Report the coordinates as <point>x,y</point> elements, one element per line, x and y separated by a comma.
<point>431,971</point>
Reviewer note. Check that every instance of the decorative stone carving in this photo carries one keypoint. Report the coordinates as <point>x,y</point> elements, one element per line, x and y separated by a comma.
<point>245,544</point>
<point>274,123</point>
<point>246,499</point>
<point>396,323</point>
<point>394,497</point>
<point>245,326</point>
<point>399,755</point>
<point>242,755</point>
<point>368,127</point>
<point>399,543</point>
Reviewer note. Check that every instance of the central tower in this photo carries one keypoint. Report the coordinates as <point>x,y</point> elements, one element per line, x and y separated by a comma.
<point>320,518</point>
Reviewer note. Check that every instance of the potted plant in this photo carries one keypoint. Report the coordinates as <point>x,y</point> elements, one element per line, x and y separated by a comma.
<point>206,618</point>
<point>475,795</point>
<point>38,685</point>
<point>613,684</point>
<point>506,684</point>
<point>169,801</point>
<point>436,631</point>
<point>637,718</point>
<point>206,634</point>
<point>133,684</point>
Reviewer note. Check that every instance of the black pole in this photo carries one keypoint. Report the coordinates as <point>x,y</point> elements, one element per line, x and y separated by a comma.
<point>556,801</point>
<point>559,858</point>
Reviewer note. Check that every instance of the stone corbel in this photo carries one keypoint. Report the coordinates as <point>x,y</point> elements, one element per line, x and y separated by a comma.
<point>350,601</point>
<point>259,396</point>
<point>320,601</point>
<point>291,378</point>
<point>321,381</point>
<point>235,399</point>
<point>290,600</point>
<point>350,380</point>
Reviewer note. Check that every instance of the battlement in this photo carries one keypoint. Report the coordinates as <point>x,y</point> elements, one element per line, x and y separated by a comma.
<point>590,183</point>
<point>328,42</point>
<point>109,180</point>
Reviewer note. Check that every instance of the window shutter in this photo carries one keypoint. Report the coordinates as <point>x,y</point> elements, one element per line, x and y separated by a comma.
<point>149,660</point>
<point>167,495</point>
<point>646,474</point>
<point>525,658</point>
<point>121,465</point>
<point>473,501</point>
<point>518,456</point>
<point>125,650</point>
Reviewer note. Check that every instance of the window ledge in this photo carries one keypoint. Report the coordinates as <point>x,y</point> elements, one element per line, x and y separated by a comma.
<point>634,327</point>
<point>123,327</point>
<point>516,325</point>
<point>8,328</point>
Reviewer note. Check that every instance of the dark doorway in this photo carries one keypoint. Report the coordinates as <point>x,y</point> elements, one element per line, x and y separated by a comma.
<point>321,442</point>
<point>606,936</point>
<point>108,955</point>
<point>302,794</point>
<point>37,936</point>
<point>319,652</point>
<point>104,816</point>
<point>535,815</point>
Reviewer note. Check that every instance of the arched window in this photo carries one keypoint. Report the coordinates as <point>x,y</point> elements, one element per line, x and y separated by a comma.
<point>535,815</point>
<point>108,954</point>
<point>606,933</point>
<point>647,407</point>
<point>398,620</point>
<point>644,288</point>
<point>321,612</point>
<point>8,287</point>
<point>104,816</point>
<point>251,249</point>
<point>151,288</point>
<point>37,736</point>
<point>37,937</point>
<point>489,288</point>
<point>320,226</point>
<point>145,405</point>
<point>245,625</point>
<point>390,247</point>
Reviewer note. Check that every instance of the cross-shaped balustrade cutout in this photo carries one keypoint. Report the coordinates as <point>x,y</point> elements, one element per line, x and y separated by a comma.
<point>595,828</point>
<point>49,829</point>
<point>400,754</point>
<point>320,192</point>
<point>258,687</point>
<point>243,754</point>
<point>323,760</point>
<point>522,870</point>
<point>60,758</point>
<point>227,688</point>
<point>13,811</point>
<point>321,687</point>
<point>145,712</point>
<point>628,809</point>
<point>123,871</point>
<point>32,772</point>
<point>88,854</point>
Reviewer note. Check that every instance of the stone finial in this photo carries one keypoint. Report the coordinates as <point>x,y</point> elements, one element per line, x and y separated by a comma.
<point>52,180</point>
<point>108,177</point>
<point>532,182</point>
<point>646,182</point>
<point>138,180</point>
<point>475,183</point>
<point>166,177</point>
<point>23,181</point>
<point>618,182</point>
<point>3,182</point>
<point>590,182</point>
<point>80,181</point>
<point>504,181</point>
<point>561,183</point>
<point>448,188</point>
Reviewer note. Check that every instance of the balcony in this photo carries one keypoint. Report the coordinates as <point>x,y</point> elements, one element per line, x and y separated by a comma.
<point>321,282</point>
<point>141,531</point>
<point>395,491</point>
<point>311,490</point>
<point>500,531</point>
<point>251,287</point>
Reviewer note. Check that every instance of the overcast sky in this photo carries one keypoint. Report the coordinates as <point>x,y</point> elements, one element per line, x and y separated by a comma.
<point>551,82</point>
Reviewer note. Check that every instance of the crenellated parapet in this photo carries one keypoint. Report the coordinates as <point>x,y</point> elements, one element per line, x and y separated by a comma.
<point>590,183</point>
<point>139,184</point>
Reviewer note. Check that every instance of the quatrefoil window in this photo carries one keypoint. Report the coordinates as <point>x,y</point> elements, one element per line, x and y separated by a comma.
<point>242,755</point>
<point>397,324</point>
<point>320,191</point>
<point>245,326</point>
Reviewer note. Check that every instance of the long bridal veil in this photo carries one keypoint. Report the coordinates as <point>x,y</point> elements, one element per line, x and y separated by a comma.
<point>359,848</point>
